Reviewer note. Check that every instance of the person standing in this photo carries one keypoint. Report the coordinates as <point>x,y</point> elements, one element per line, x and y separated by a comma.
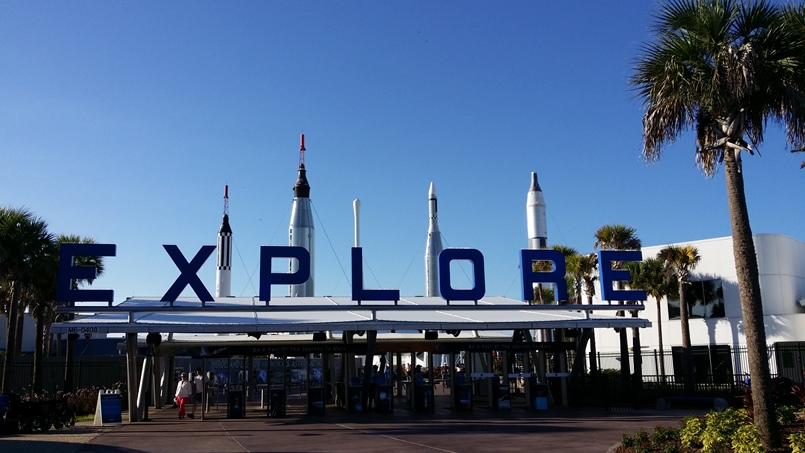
<point>198,388</point>
<point>184,391</point>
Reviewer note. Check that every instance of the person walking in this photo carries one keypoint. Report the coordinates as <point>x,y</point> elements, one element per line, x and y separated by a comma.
<point>184,391</point>
<point>198,388</point>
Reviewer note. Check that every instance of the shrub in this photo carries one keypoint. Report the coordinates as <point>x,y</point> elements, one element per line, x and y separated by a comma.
<point>663,435</point>
<point>720,428</point>
<point>797,442</point>
<point>627,441</point>
<point>747,440</point>
<point>83,401</point>
<point>786,415</point>
<point>691,432</point>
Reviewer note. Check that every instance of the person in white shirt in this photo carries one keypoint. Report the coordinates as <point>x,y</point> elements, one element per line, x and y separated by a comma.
<point>184,391</point>
<point>198,387</point>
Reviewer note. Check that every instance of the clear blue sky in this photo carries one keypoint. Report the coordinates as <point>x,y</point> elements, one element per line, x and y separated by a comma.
<point>123,121</point>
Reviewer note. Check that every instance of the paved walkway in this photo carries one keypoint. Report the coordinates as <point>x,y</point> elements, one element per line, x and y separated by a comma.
<point>517,430</point>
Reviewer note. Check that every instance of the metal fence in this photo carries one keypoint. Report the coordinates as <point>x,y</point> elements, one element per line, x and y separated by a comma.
<point>102,372</point>
<point>719,372</point>
<point>716,363</point>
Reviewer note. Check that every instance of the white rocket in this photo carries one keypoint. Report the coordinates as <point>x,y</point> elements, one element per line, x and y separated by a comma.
<point>535,215</point>
<point>223,274</point>
<point>301,229</point>
<point>433,247</point>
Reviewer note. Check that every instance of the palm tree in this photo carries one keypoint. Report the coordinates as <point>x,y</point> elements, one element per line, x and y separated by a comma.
<point>45,322</point>
<point>622,237</point>
<point>571,269</point>
<point>588,270</point>
<point>26,242</point>
<point>723,68</point>
<point>652,276</point>
<point>40,299</point>
<point>680,261</point>
<point>543,295</point>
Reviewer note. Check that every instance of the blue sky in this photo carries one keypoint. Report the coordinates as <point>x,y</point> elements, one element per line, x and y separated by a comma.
<point>123,121</point>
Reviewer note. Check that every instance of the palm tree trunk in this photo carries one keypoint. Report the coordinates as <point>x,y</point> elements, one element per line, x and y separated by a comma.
<point>687,352</point>
<point>659,335</point>
<point>746,269</point>
<point>20,316</point>
<point>68,363</point>
<point>36,381</point>
<point>47,339</point>
<point>637,353</point>
<point>624,345</point>
<point>11,337</point>
<point>593,351</point>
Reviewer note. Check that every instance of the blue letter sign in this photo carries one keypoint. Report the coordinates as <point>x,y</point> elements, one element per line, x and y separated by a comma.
<point>268,278</point>
<point>556,276</point>
<point>478,289</point>
<point>360,294</point>
<point>189,274</point>
<point>68,273</point>
<point>610,275</point>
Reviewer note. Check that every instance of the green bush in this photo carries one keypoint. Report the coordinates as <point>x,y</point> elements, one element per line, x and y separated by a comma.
<point>663,435</point>
<point>691,432</point>
<point>627,441</point>
<point>747,440</point>
<point>719,429</point>
<point>83,401</point>
<point>786,415</point>
<point>797,442</point>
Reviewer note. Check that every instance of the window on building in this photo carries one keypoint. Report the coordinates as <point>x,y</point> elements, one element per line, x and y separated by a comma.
<point>705,300</point>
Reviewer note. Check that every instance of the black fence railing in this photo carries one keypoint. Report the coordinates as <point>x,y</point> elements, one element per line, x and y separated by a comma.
<point>610,392</point>
<point>102,372</point>
<point>720,364</point>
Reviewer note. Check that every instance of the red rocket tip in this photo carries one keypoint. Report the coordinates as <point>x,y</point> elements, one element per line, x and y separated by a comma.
<point>302,143</point>
<point>226,191</point>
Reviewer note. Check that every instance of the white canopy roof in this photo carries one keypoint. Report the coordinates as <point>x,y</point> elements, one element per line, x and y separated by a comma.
<point>314,314</point>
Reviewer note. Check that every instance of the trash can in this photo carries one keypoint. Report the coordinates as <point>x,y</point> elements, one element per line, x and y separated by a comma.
<point>276,402</point>
<point>354,398</point>
<point>502,396</point>
<point>384,400</point>
<point>463,397</point>
<point>235,407</point>
<point>315,401</point>
<point>539,395</point>
<point>5,406</point>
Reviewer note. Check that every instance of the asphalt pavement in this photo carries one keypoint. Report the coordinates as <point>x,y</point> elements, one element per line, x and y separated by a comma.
<point>444,430</point>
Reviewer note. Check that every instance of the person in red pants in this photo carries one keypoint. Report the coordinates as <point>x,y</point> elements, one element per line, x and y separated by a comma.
<point>184,391</point>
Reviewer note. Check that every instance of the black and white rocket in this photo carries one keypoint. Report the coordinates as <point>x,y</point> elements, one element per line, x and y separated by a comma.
<point>535,216</point>
<point>301,232</point>
<point>223,274</point>
<point>433,247</point>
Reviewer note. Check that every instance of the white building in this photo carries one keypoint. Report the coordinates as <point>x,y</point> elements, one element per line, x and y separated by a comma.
<point>716,320</point>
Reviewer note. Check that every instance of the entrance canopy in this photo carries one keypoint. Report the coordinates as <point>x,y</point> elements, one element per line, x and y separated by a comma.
<point>315,314</point>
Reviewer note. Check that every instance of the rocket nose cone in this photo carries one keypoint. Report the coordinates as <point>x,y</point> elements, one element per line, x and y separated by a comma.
<point>534,184</point>
<point>432,190</point>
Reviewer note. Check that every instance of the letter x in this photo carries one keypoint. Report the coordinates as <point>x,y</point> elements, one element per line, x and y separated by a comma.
<point>188,273</point>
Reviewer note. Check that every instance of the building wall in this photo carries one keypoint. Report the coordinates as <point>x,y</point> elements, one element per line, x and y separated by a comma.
<point>781,262</point>
<point>28,333</point>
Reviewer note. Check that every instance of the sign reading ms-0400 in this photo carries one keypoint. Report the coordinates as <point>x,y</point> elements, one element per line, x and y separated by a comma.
<point>188,273</point>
